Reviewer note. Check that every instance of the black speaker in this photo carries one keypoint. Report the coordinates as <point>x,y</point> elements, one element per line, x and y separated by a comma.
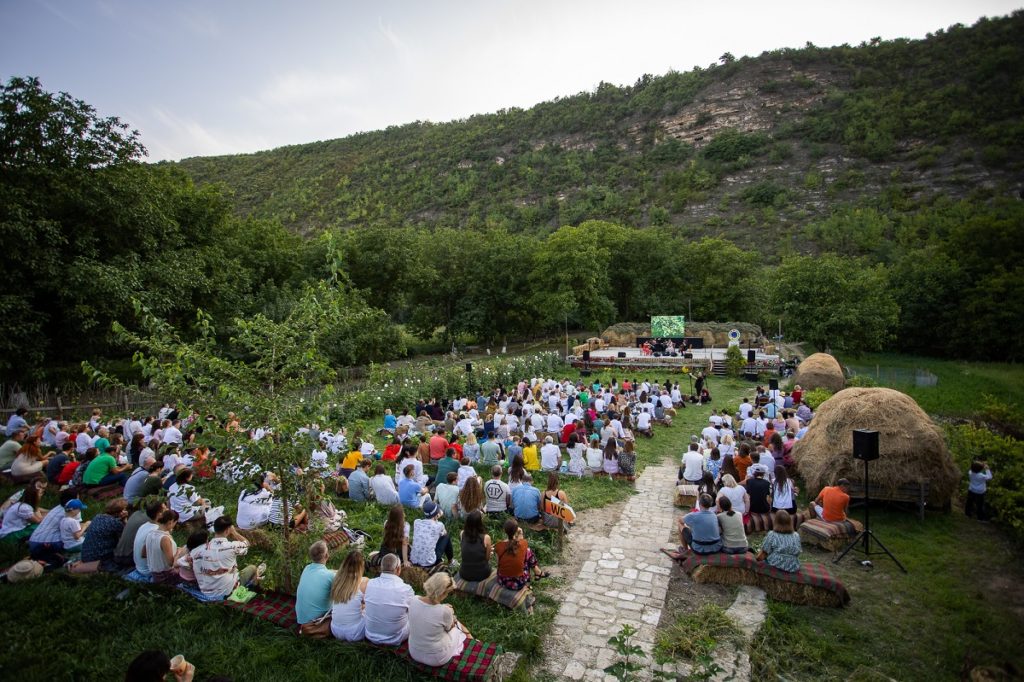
<point>865,444</point>
<point>622,353</point>
<point>773,384</point>
<point>584,372</point>
<point>751,356</point>
<point>657,354</point>
<point>586,356</point>
<point>469,366</point>
<point>688,356</point>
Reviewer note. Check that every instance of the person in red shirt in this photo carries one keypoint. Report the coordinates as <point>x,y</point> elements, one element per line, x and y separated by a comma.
<point>438,446</point>
<point>832,502</point>
<point>567,430</point>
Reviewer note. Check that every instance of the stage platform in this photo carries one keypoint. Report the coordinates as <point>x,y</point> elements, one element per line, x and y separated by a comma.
<point>704,359</point>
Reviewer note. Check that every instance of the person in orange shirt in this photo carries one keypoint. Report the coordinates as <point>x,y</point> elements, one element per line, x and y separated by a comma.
<point>832,502</point>
<point>742,460</point>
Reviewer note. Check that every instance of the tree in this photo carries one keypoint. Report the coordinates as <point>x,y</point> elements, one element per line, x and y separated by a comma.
<point>570,280</point>
<point>836,303</point>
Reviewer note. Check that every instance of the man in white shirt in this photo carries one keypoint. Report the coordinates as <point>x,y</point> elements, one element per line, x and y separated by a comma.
<point>537,421</point>
<point>83,442</point>
<point>643,424</point>
<point>710,433</point>
<point>692,470</point>
<point>599,404</point>
<point>172,434</point>
<point>465,426</point>
<point>139,544</point>
<point>749,425</point>
<point>714,418</point>
<point>550,455</point>
<point>386,600</point>
<point>216,563</point>
<point>384,490</point>
<point>496,493</point>
<point>555,422</point>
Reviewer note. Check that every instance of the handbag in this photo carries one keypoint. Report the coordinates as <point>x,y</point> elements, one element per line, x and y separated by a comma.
<point>317,629</point>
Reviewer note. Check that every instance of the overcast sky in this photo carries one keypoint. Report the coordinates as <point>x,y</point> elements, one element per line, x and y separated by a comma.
<point>228,76</point>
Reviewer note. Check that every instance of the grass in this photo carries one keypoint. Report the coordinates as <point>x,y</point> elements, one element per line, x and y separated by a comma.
<point>696,634</point>
<point>960,386</point>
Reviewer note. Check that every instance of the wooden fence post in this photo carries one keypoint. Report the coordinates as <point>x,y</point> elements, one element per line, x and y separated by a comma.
<point>124,399</point>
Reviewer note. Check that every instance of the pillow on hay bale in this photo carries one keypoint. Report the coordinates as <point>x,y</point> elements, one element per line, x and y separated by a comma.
<point>493,590</point>
<point>762,523</point>
<point>686,495</point>
<point>911,447</point>
<point>830,535</point>
<point>820,370</point>
<point>812,585</point>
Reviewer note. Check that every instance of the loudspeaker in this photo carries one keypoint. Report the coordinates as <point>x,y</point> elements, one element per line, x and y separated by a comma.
<point>751,356</point>
<point>657,354</point>
<point>773,384</point>
<point>622,353</point>
<point>586,356</point>
<point>469,366</point>
<point>584,372</point>
<point>865,444</point>
<point>688,356</point>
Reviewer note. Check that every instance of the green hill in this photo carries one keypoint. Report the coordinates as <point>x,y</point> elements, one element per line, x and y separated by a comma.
<point>764,149</point>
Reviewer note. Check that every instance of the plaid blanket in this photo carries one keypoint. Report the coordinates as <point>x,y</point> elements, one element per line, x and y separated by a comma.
<point>102,492</point>
<point>762,523</point>
<point>815,575</point>
<point>829,534</point>
<point>274,607</point>
<point>336,539</point>
<point>472,665</point>
<point>492,589</point>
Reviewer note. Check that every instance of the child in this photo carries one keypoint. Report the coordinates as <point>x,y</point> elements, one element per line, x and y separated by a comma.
<point>71,527</point>
<point>979,477</point>
<point>184,562</point>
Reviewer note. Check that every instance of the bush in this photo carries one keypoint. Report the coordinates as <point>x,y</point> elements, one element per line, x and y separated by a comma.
<point>732,145</point>
<point>817,397</point>
<point>1005,456</point>
<point>860,381</point>
<point>735,363</point>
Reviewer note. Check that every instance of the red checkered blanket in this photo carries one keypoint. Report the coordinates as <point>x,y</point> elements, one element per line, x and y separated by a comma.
<point>815,575</point>
<point>274,607</point>
<point>829,534</point>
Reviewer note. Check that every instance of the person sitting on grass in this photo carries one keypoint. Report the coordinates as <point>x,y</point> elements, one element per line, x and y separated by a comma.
<point>359,482</point>
<point>185,565</point>
<point>384,490</point>
<point>313,596</point>
<point>44,544</point>
<point>30,460</point>
<point>395,538</point>
<point>435,634</point>
<point>476,550</point>
<point>430,541</point>
<point>347,591</point>
<point>161,551</point>
<point>531,456</point>
<point>471,497</point>
<point>410,491</point>
<point>215,563</point>
<point>387,605</point>
<point>734,537</point>
<point>446,465</point>
<point>466,472</point>
<point>610,466</point>
<point>104,470</point>
<point>516,471</point>
<point>23,516</point>
<point>699,531</point>
<point>781,547</point>
<point>831,503</point>
<point>446,494</point>
<point>594,454</point>
<point>184,499</point>
<point>71,527</point>
<point>496,492</point>
<point>516,561</point>
<point>101,540</point>
<point>527,503</point>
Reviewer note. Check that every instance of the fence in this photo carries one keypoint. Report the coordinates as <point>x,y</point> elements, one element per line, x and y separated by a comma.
<point>896,376</point>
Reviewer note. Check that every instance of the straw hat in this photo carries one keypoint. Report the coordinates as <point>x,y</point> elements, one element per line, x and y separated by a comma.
<point>26,569</point>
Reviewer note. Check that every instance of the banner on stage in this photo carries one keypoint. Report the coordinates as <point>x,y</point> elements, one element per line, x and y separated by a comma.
<point>668,326</point>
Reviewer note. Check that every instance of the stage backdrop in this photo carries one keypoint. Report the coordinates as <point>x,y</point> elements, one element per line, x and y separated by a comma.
<point>668,325</point>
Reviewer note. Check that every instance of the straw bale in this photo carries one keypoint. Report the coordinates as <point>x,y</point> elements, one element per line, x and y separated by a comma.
<point>911,447</point>
<point>781,590</point>
<point>820,370</point>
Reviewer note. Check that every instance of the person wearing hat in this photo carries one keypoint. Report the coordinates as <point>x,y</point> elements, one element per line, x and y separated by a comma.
<point>44,544</point>
<point>430,541</point>
<point>71,527</point>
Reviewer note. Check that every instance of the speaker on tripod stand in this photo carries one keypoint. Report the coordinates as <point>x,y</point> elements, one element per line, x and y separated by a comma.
<point>865,448</point>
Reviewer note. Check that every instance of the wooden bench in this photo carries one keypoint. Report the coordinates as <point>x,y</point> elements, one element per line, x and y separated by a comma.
<point>915,493</point>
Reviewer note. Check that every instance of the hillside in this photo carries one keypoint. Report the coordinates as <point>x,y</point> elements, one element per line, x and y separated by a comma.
<point>764,149</point>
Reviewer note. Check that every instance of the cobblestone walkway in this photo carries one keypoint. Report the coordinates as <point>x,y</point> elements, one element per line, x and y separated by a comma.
<point>624,580</point>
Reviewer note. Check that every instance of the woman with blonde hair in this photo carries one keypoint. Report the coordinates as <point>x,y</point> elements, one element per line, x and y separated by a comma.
<point>728,446</point>
<point>471,449</point>
<point>347,590</point>
<point>435,634</point>
<point>471,498</point>
<point>736,493</point>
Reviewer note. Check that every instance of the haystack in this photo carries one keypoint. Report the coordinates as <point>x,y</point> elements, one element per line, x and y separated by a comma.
<point>820,370</point>
<point>911,447</point>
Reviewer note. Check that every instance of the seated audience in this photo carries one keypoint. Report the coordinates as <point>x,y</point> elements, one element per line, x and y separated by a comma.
<point>435,634</point>
<point>430,541</point>
<point>734,537</point>
<point>161,551</point>
<point>476,550</point>
<point>410,491</point>
<point>471,497</point>
<point>832,502</point>
<point>527,503</point>
<point>759,490</point>
<point>699,530</point>
<point>155,666</point>
<point>516,561</point>
<point>71,527</point>
<point>384,490</point>
<point>347,591</point>
<point>496,492</point>
<point>781,547</point>
<point>387,605</point>
<point>23,516</point>
<point>215,563</point>
<point>359,483</point>
<point>313,596</point>
<point>737,494</point>
<point>101,539</point>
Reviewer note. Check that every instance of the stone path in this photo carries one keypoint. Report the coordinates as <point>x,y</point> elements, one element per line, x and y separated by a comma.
<point>624,580</point>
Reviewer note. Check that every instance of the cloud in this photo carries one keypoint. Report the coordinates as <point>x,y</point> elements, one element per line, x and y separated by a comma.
<point>298,88</point>
<point>175,137</point>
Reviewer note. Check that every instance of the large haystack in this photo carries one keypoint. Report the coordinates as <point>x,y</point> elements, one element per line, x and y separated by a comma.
<point>820,370</point>
<point>911,446</point>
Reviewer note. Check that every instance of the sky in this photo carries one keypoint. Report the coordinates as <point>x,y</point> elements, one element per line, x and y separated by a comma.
<point>235,76</point>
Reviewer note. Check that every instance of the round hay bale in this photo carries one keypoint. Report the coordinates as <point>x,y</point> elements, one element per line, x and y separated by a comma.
<point>820,370</point>
<point>911,447</point>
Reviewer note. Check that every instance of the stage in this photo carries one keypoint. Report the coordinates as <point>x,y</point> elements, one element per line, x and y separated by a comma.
<point>710,360</point>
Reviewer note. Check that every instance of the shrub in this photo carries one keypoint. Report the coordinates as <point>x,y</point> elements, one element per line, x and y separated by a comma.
<point>1005,456</point>
<point>731,145</point>
<point>735,363</point>
<point>860,381</point>
<point>817,397</point>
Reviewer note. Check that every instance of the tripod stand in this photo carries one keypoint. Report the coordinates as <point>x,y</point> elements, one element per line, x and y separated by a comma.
<point>866,536</point>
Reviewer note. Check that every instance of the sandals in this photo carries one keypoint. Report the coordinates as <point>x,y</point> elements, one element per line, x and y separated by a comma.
<point>543,574</point>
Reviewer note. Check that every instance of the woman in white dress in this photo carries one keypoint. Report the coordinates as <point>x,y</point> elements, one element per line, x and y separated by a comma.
<point>435,634</point>
<point>347,590</point>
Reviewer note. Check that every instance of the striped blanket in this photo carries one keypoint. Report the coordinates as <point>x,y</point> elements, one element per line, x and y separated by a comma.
<point>762,523</point>
<point>831,535</point>
<point>492,589</point>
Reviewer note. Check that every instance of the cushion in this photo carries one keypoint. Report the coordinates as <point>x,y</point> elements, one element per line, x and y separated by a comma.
<point>493,590</point>
<point>829,535</point>
<point>762,523</point>
<point>686,495</point>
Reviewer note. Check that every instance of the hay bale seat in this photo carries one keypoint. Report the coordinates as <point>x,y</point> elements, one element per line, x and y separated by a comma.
<point>820,370</point>
<point>493,590</point>
<point>762,523</point>
<point>912,449</point>
<point>686,495</point>
<point>812,585</point>
<point>831,535</point>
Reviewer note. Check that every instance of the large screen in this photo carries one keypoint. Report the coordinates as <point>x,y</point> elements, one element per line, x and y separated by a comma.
<point>668,325</point>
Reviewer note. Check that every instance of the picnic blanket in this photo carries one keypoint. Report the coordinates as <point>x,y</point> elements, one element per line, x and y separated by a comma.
<point>812,584</point>
<point>274,607</point>
<point>137,577</point>
<point>101,492</point>
<point>194,592</point>
<point>336,539</point>
<point>493,590</point>
<point>762,523</point>
<point>831,535</point>
<point>472,665</point>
